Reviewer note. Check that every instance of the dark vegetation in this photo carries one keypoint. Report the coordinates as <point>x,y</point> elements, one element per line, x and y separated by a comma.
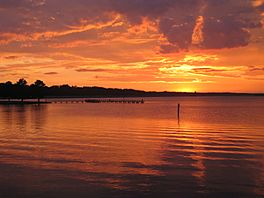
<point>21,91</point>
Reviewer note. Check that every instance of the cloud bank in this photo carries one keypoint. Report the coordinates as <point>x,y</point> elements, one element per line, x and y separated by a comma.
<point>184,24</point>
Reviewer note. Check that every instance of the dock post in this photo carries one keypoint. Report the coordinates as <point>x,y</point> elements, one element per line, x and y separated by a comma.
<point>178,111</point>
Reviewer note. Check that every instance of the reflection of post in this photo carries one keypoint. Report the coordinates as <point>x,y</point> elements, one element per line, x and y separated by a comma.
<point>178,111</point>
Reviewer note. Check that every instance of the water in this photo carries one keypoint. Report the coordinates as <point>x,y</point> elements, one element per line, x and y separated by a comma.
<point>216,149</point>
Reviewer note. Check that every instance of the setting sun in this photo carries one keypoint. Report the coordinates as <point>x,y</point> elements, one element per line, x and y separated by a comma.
<point>185,89</point>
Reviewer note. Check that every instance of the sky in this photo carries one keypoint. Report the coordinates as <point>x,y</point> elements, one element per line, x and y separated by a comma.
<point>153,45</point>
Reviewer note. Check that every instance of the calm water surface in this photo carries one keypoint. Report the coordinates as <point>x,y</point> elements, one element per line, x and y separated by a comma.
<point>216,149</point>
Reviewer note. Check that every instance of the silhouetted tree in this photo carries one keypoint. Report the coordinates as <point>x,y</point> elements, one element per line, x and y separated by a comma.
<point>39,83</point>
<point>21,89</point>
<point>38,89</point>
<point>6,90</point>
<point>21,82</point>
<point>9,83</point>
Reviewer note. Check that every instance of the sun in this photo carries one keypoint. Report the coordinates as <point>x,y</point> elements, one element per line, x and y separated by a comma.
<point>185,89</point>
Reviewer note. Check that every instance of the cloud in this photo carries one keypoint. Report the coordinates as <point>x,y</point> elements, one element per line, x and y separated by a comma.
<point>212,25</point>
<point>254,68</point>
<point>92,70</point>
<point>4,4</point>
<point>11,57</point>
<point>197,36</point>
<point>183,24</point>
<point>137,9</point>
<point>51,73</point>
<point>203,71</point>
<point>168,48</point>
<point>225,33</point>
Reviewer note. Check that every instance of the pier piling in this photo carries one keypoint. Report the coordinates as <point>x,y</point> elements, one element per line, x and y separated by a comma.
<point>178,111</point>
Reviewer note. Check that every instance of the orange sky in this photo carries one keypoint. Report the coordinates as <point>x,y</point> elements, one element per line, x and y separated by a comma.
<point>173,45</point>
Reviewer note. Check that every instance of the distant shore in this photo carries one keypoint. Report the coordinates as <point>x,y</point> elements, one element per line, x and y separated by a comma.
<point>21,91</point>
<point>154,95</point>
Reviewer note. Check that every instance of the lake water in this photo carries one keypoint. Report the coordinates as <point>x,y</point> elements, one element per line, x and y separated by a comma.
<point>215,149</point>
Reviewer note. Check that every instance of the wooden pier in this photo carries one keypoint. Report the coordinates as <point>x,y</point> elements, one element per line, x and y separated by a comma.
<point>129,101</point>
<point>71,101</point>
<point>67,101</point>
<point>124,101</point>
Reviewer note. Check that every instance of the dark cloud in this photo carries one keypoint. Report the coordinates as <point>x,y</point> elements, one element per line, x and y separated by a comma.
<point>215,72</point>
<point>226,24</point>
<point>225,33</point>
<point>207,70</point>
<point>178,35</point>
<point>11,57</point>
<point>168,48</point>
<point>136,9</point>
<point>51,73</point>
<point>92,70</point>
<point>254,68</point>
<point>11,3</point>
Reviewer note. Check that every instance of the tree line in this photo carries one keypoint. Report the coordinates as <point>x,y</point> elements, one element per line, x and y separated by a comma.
<point>21,90</point>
